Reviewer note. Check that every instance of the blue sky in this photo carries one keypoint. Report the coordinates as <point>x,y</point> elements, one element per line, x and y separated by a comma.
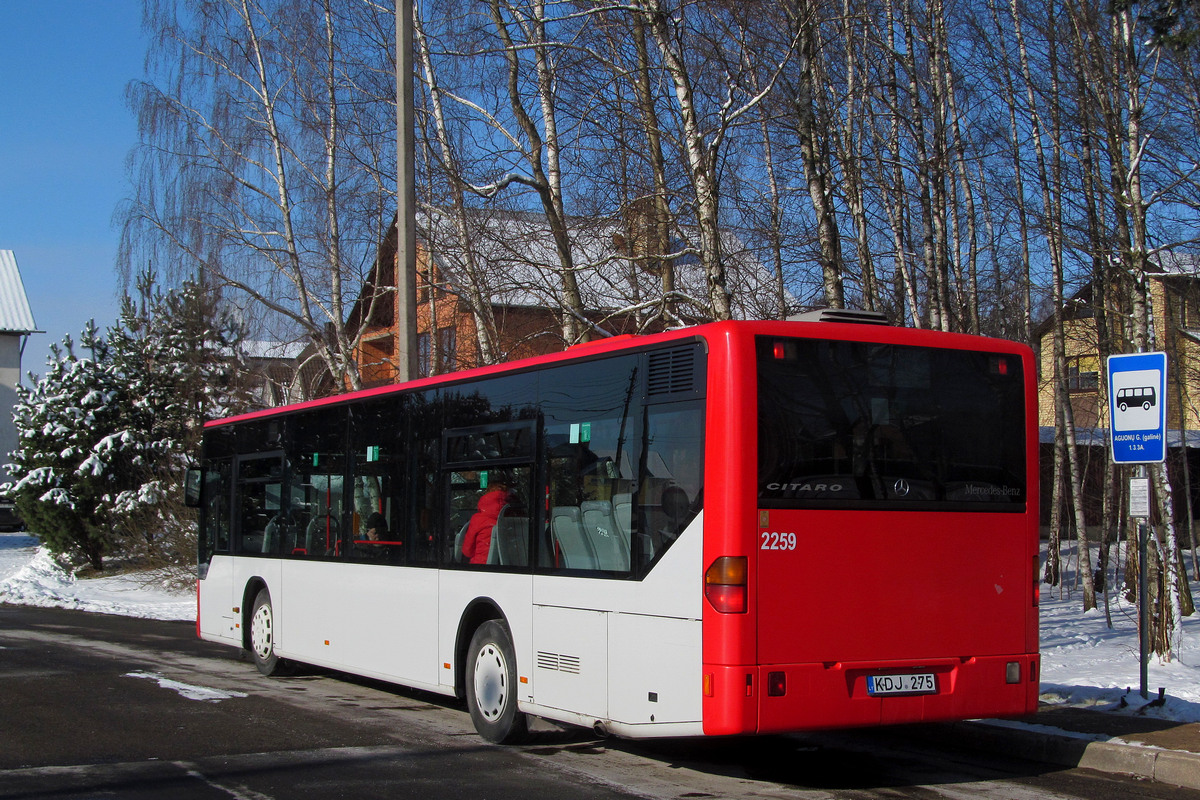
<point>65,132</point>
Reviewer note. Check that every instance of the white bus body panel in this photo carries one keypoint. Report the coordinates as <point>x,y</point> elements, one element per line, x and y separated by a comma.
<point>622,653</point>
<point>218,622</point>
<point>371,619</point>
<point>631,649</point>
<point>573,675</point>
<point>511,593</point>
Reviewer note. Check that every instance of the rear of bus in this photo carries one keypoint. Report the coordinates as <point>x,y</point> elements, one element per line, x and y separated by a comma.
<point>889,479</point>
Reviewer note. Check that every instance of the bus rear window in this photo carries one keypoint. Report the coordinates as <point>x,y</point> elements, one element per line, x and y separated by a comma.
<point>860,424</point>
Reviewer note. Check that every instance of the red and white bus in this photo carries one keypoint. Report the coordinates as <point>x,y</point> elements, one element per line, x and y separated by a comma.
<point>741,527</point>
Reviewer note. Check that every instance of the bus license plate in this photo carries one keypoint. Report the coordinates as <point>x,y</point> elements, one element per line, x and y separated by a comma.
<point>915,683</point>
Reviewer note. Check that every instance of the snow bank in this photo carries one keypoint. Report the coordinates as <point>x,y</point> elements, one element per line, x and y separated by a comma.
<point>1087,664</point>
<point>30,576</point>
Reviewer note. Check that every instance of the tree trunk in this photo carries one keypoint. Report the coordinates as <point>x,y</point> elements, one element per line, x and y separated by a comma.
<point>700,156</point>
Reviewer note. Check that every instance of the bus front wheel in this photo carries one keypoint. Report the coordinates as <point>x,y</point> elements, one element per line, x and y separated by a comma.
<point>492,685</point>
<point>262,634</point>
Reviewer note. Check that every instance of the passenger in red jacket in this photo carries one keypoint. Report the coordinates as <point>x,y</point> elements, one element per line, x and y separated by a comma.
<point>478,539</point>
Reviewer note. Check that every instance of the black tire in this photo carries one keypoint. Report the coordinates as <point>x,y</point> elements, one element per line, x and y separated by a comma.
<point>492,685</point>
<point>262,635</point>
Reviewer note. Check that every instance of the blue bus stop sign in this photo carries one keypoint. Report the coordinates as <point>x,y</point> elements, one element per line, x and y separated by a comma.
<point>1137,407</point>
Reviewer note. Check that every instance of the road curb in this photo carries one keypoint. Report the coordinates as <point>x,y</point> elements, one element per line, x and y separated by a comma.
<point>1176,767</point>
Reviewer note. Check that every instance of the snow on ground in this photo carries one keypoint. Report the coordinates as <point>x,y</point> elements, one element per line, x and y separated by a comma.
<point>1084,662</point>
<point>30,577</point>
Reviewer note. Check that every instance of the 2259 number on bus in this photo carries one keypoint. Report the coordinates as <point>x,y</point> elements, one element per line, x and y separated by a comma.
<point>778,541</point>
<point>915,683</point>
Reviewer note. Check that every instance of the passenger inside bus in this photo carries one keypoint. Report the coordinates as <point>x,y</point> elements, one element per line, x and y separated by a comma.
<point>477,542</point>
<point>377,527</point>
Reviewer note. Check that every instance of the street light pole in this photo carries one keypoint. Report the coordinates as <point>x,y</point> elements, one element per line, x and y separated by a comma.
<point>406,228</point>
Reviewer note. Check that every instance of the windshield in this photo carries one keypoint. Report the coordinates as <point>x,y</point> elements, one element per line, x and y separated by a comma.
<point>860,424</point>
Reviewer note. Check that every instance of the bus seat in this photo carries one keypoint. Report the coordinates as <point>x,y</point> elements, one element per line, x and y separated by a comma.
<point>457,556</point>
<point>270,536</point>
<point>623,513</point>
<point>495,549</point>
<point>494,545</point>
<point>612,548</point>
<point>511,537</point>
<point>575,551</point>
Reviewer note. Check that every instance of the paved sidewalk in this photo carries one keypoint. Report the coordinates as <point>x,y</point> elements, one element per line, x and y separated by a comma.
<point>1151,748</point>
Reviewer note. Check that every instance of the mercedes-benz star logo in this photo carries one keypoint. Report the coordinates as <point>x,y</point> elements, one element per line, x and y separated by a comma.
<point>901,488</point>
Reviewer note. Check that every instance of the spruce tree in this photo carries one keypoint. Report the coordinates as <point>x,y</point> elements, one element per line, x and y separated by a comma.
<point>179,360</point>
<point>65,422</point>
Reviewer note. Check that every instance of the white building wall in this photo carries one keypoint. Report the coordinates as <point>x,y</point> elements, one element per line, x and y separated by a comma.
<point>10,378</point>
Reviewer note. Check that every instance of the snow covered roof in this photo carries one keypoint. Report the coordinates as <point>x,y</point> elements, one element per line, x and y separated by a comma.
<point>1177,264</point>
<point>15,314</point>
<point>287,351</point>
<point>516,253</point>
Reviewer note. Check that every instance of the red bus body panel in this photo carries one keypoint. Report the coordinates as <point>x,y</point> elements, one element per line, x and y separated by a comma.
<point>865,592</point>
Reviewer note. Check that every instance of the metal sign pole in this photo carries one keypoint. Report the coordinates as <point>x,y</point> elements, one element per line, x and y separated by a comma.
<point>1143,597</point>
<point>1137,424</point>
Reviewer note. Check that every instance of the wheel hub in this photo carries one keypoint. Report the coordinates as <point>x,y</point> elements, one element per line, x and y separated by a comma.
<point>491,682</point>
<point>260,632</point>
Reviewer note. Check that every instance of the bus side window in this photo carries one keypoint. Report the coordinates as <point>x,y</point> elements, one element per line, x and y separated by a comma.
<point>259,490</point>
<point>312,525</point>
<point>672,476</point>
<point>424,506</point>
<point>377,454</point>
<point>591,436</point>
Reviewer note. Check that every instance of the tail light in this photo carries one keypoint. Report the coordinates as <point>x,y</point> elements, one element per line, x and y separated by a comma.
<point>725,584</point>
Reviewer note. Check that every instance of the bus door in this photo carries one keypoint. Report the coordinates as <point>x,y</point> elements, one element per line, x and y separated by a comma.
<point>258,522</point>
<point>216,617</point>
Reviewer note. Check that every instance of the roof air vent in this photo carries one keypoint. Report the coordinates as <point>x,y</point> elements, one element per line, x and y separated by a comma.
<point>853,315</point>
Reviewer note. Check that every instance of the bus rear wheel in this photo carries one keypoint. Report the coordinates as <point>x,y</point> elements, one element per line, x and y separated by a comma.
<point>262,634</point>
<point>492,685</point>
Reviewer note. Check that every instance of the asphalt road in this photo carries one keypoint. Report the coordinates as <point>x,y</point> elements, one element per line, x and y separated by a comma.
<point>93,706</point>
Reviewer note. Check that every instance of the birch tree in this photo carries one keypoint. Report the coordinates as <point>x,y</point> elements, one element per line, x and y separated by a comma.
<point>264,160</point>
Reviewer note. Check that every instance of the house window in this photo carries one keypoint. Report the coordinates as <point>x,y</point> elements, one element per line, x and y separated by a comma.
<point>423,342</point>
<point>1083,373</point>
<point>1189,306</point>
<point>447,350</point>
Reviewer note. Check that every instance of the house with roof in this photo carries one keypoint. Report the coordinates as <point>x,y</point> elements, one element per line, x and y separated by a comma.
<point>1173,283</point>
<point>511,257</point>
<point>273,371</point>
<point>1174,291</point>
<point>16,324</point>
